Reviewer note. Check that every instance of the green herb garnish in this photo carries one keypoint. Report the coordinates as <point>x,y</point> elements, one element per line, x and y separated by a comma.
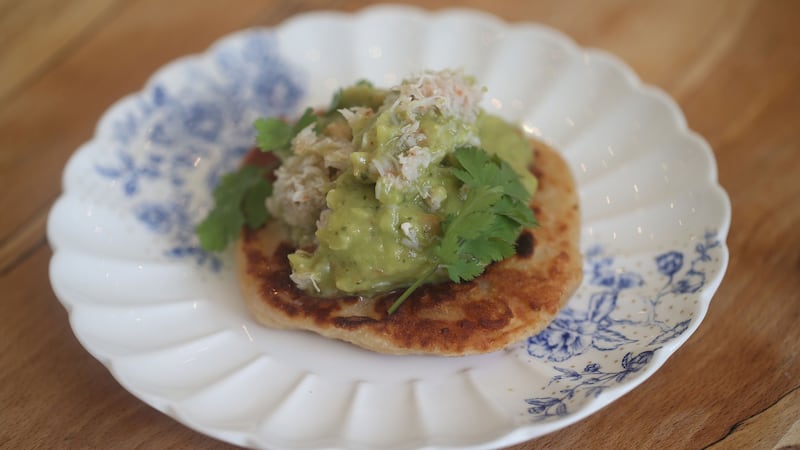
<point>238,200</point>
<point>276,135</point>
<point>486,227</point>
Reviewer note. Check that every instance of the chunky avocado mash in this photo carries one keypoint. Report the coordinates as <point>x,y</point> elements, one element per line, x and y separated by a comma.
<point>383,212</point>
<point>389,188</point>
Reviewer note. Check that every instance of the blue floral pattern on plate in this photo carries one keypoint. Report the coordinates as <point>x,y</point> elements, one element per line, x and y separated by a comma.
<point>592,381</point>
<point>576,331</point>
<point>166,137</point>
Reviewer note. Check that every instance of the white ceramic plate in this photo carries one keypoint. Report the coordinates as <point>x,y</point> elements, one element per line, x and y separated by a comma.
<point>168,321</point>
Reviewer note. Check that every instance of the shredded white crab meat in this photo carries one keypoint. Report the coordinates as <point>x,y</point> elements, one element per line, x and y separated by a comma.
<point>410,240</point>
<point>303,180</point>
<point>356,117</point>
<point>304,280</point>
<point>447,92</point>
<point>413,161</point>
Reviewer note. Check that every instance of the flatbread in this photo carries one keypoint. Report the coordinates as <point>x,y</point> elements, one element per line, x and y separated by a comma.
<point>511,300</point>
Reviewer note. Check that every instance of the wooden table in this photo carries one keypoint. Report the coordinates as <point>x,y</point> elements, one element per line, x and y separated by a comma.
<point>733,66</point>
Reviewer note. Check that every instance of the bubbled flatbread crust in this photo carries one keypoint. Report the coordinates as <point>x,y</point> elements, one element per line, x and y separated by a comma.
<point>511,300</point>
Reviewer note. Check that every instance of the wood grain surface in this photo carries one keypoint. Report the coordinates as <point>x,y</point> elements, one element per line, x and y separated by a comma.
<point>733,66</point>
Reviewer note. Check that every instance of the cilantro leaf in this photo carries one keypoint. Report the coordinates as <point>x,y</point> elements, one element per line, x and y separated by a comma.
<point>305,120</point>
<point>510,209</point>
<point>239,197</point>
<point>473,220</point>
<point>253,207</point>
<point>273,134</point>
<point>336,102</point>
<point>486,227</point>
<point>481,169</point>
<point>276,135</point>
<point>238,200</point>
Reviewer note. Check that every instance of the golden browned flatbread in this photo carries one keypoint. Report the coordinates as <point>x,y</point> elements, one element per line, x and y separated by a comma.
<point>512,300</point>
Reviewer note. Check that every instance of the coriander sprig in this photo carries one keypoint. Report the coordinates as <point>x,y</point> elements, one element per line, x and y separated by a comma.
<point>486,227</point>
<point>239,198</point>
<point>276,135</point>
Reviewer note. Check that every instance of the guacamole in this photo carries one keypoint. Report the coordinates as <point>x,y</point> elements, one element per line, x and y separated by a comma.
<point>367,187</point>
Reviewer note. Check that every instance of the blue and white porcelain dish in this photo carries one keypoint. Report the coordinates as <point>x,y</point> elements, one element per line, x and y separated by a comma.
<point>168,321</point>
